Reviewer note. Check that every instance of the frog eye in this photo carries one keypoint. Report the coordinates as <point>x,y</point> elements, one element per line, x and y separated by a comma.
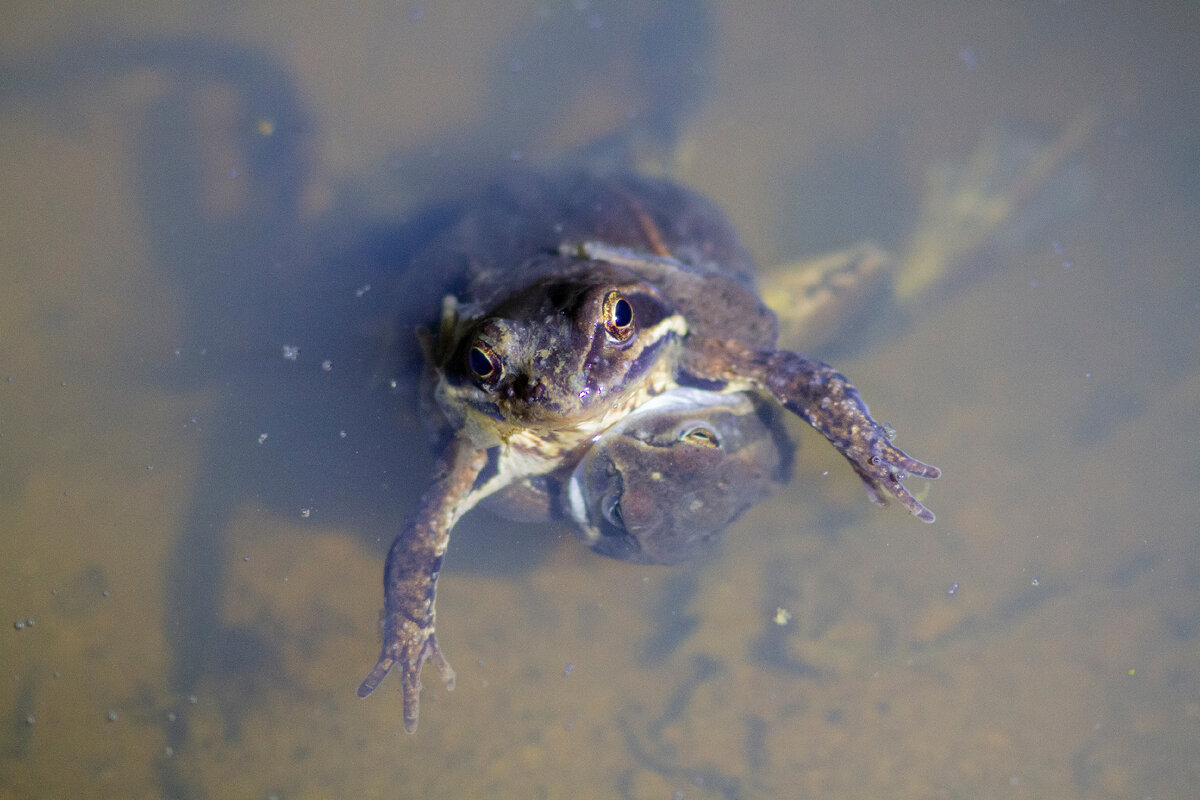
<point>618,317</point>
<point>484,363</point>
<point>700,434</point>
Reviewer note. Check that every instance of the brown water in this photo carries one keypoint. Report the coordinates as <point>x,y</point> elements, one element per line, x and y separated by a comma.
<point>190,190</point>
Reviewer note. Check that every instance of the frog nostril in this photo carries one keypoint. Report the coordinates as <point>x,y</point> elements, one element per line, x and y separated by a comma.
<point>610,506</point>
<point>527,390</point>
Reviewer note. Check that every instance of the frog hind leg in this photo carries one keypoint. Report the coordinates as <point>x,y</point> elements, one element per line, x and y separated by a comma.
<point>1007,182</point>
<point>825,399</point>
<point>819,300</point>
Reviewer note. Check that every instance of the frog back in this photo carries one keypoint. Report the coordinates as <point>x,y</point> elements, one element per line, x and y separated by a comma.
<point>529,227</point>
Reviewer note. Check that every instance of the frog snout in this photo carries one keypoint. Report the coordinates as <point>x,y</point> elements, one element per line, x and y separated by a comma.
<point>526,389</point>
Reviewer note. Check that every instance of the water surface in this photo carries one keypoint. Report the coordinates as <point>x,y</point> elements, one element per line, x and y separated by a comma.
<point>193,519</point>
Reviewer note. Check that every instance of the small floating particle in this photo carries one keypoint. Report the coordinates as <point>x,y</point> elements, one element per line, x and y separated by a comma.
<point>953,590</point>
<point>782,616</point>
<point>262,437</point>
<point>111,716</point>
<point>291,352</point>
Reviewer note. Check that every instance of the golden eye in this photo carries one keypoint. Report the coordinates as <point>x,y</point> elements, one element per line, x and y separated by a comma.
<point>700,435</point>
<point>484,363</point>
<point>618,316</point>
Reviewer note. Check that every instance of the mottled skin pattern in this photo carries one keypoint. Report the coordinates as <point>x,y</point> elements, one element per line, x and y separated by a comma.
<point>411,574</point>
<point>526,385</point>
<point>574,301</point>
<point>823,398</point>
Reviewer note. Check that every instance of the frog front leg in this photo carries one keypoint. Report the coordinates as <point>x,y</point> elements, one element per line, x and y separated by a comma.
<point>410,579</point>
<point>823,398</point>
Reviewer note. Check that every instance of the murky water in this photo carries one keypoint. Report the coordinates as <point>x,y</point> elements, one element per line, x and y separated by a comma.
<point>192,524</point>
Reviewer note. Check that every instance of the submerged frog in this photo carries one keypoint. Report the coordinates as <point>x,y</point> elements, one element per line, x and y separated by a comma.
<point>573,302</point>
<point>660,486</point>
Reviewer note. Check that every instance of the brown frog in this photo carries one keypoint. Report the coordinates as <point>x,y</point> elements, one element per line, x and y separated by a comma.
<point>574,301</point>
<point>660,486</point>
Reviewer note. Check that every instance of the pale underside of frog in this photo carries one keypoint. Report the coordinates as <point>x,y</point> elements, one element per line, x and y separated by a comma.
<point>662,485</point>
<point>574,302</point>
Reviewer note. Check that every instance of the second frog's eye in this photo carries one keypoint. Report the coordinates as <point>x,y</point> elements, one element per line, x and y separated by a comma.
<point>700,434</point>
<point>484,363</point>
<point>618,316</point>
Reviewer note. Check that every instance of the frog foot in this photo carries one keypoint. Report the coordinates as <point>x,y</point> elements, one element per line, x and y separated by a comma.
<point>410,578</point>
<point>964,207</point>
<point>825,399</point>
<point>409,643</point>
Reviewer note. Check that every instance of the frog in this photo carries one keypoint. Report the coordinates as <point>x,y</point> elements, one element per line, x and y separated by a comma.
<point>660,486</point>
<point>663,484</point>
<point>575,299</point>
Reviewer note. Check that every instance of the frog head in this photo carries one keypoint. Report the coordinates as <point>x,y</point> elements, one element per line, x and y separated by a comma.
<point>572,351</point>
<point>662,485</point>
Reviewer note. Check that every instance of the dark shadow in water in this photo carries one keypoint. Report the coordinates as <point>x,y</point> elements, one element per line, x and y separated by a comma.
<point>671,625</point>
<point>646,739</point>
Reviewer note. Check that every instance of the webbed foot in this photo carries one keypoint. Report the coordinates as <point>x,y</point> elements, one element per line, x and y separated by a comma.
<point>825,399</point>
<point>409,644</point>
<point>881,464</point>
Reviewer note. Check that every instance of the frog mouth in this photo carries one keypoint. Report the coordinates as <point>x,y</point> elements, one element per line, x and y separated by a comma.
<point>600,525</point>
<point>596,489</point>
